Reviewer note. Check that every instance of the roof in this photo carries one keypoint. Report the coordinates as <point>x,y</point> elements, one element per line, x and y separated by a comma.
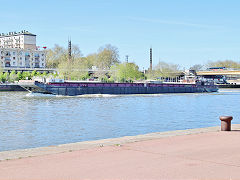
<point>24,32</point>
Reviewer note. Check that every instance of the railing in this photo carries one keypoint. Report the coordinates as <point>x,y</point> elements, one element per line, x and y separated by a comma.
<point>27,69</point>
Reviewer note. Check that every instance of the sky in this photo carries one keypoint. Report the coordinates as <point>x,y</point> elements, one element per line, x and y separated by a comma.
<point>183,32</point>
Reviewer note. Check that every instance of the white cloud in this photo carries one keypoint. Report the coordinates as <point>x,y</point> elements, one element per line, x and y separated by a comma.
<point>158,21</point>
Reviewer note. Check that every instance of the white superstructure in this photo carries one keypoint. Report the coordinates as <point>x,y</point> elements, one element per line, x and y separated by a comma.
<point>20,50</point>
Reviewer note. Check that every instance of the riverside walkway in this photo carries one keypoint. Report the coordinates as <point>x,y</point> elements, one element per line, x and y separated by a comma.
<point>203,153</point>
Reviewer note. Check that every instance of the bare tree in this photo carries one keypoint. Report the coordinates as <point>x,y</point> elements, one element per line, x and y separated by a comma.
<point>225,63</point>
<point>197,67</point>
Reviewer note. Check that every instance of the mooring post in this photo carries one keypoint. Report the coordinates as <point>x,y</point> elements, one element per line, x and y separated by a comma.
<point>226,123</point>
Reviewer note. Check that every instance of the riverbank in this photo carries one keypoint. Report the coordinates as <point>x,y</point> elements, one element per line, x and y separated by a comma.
<point>11,87</point>
<point>204,153</point>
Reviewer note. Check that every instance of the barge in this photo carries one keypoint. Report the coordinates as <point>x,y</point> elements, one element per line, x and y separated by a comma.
<point>74,88</point>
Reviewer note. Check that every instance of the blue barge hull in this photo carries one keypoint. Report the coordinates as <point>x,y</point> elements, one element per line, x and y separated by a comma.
<point>74,89</point>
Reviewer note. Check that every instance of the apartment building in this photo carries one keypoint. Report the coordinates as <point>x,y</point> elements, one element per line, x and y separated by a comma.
<point>20,50</point>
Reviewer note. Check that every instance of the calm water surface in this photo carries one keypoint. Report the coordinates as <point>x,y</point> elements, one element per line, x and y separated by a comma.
<point>28,120</point>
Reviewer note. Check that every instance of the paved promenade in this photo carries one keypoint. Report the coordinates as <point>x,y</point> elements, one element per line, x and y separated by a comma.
<point>191,154</point>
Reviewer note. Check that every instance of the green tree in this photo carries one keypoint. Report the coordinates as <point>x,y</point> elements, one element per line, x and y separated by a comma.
<point>19,76</point>
<point>91,60</point>
<point>5,77</point>
<point>125,72</point>
<point>2,79</point>
<point>38,74</point>
<point>76,69</point>
<point>44,74</point>
<point>34,73</point>
<point>26,75</point>
<point>107,56</point>
<point>13,76</point>
<point>1,69</point>
<point>79,70</point>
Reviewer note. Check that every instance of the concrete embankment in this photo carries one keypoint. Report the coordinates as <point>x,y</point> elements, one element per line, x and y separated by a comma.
<point>205,153</point>
<point>11,87</point>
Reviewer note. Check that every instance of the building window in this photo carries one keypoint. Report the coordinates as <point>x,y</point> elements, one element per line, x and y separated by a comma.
<point>13,53</point>
<point>36,55</point>
<point>14,58</point>
<point>8,53</point>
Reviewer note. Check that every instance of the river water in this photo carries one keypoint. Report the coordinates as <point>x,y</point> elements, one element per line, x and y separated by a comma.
<point>34,120</point>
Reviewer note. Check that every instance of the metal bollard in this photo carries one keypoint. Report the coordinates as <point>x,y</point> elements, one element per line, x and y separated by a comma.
<point>226,123</point>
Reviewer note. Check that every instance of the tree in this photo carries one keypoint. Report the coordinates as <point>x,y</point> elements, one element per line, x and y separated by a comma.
<point>197,67</point>
<point>225,63</point>
<point>34,73</point>
<point>125,72</point>
<point>1,69</point>
<point>59,54</point>
<point>76,52</point>
<point>76,69</point>
<point>44,74</point>
<point>55,56</point>
<point>26,75</point>
<point>38,74</point>
<point>91,60</point>
<point>163,69</point>
<point>107,56</point>
<point>13,76</point>
<point>4,77</point>
<point>19,75</point>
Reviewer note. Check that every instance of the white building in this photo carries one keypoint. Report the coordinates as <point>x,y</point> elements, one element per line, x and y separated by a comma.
<point>20,50</point>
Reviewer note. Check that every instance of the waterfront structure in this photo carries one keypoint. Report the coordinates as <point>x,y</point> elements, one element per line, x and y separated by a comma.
<point>222,75</point>
<point>19,50</point>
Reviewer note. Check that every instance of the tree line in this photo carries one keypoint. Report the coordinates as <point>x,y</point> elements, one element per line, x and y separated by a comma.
<point>106,65</point>
<point>16,76</point>
<point>107,59</point>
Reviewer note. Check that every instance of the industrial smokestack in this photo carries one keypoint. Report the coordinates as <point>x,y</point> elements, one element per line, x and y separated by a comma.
<point>69,50</point>
<point>150,59</point>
